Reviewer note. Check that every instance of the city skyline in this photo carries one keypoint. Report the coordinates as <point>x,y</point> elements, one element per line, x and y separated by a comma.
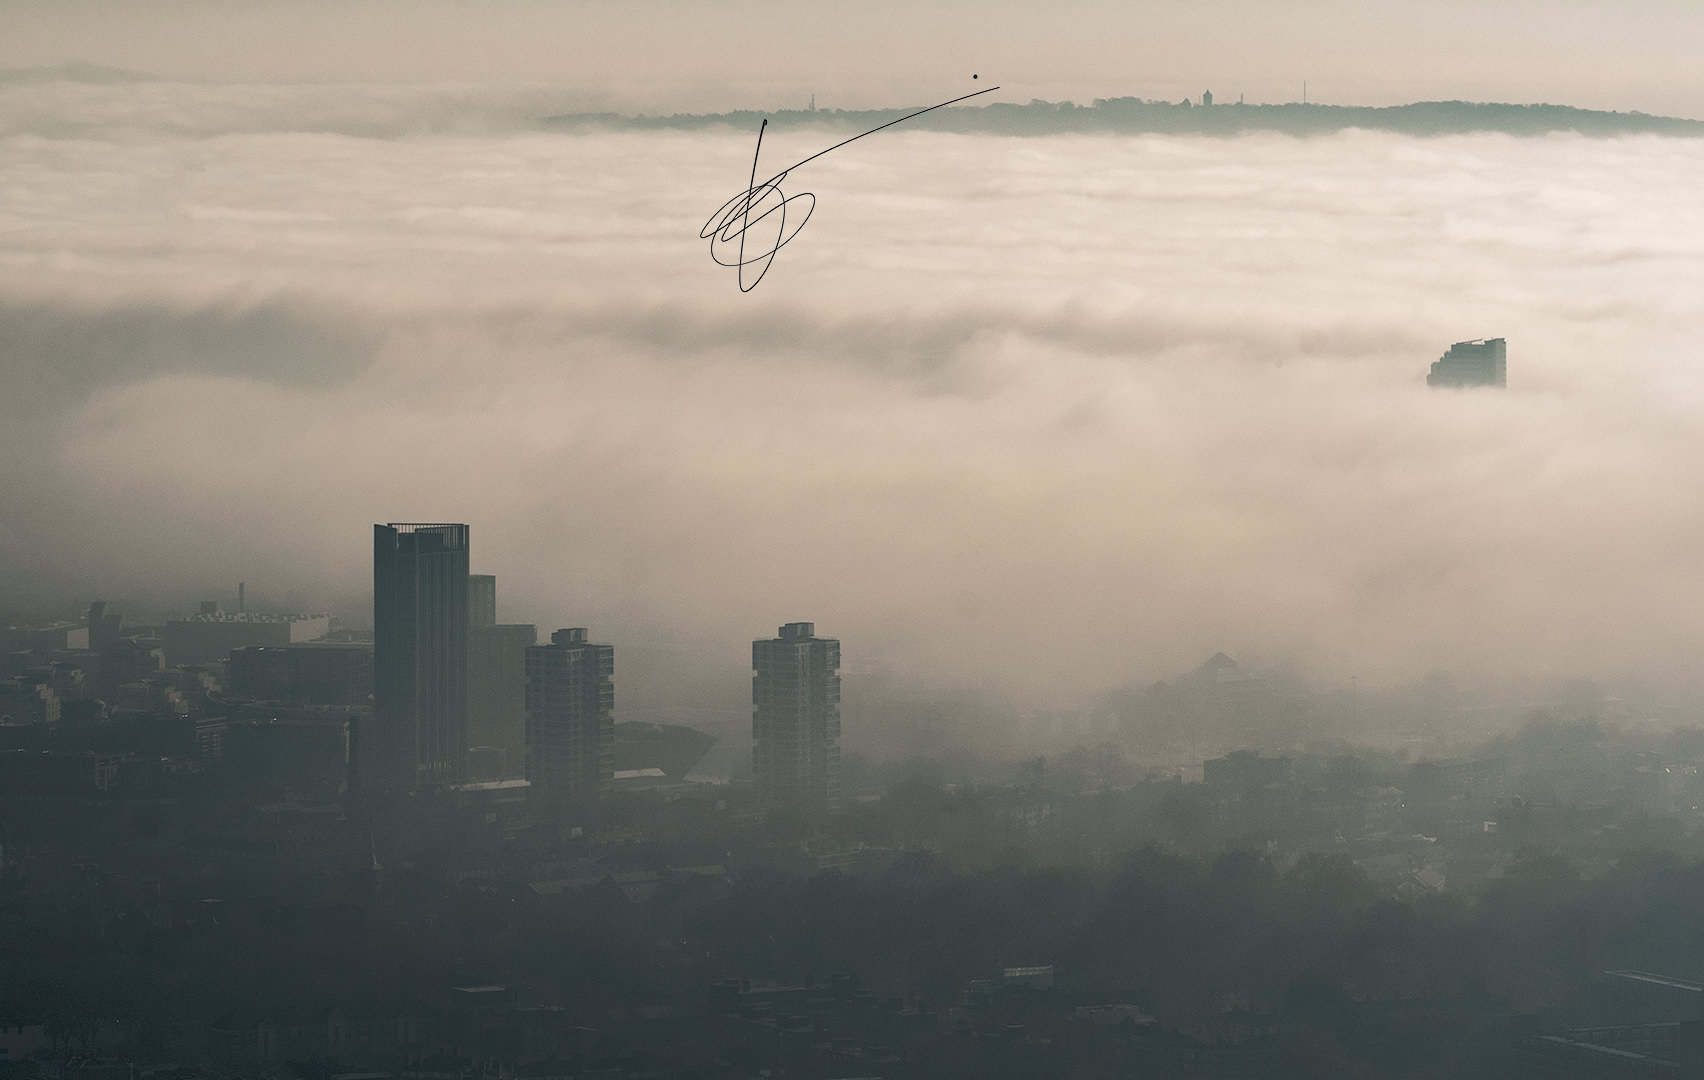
<point>1239,460</point>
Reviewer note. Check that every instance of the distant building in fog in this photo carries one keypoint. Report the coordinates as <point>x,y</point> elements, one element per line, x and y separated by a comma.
<point>496,682</point>
<point>1472,363</point>
<point>420,595</point>
<point>1206,97</point>
<point>44,639</point>
<point>570,716</point>
<point>203,638</point>
<point>481,600</point>
<point>497,690</point>
<point>25,700</point>
<point>795,724</point>
<point>672,749</point>
<point>1245,771</point>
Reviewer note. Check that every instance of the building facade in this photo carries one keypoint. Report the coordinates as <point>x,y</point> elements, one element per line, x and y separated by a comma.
<point>481,600</point>
<point>795,724</point>
<point>497,690</point>
<point>319,673</point>
<point>496,684</point>
<point>570,716</point>
<point>420,594</point>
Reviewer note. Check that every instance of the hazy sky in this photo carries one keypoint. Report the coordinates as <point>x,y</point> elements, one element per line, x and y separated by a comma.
<point>1074,408</point>
<point>767,53</point>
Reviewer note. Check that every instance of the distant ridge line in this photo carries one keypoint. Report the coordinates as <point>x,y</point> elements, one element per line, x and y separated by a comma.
<point>1136,116</point>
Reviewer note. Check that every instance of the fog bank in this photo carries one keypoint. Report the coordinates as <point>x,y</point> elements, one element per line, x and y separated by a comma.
<point>1054,411</point>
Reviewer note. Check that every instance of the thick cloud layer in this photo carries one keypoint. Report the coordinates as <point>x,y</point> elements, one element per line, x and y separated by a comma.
<point>1050,411</point>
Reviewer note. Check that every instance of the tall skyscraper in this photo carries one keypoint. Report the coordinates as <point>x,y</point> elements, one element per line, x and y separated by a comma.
<point>795,722</point>
<point>570,716</point>
<point>419,657</point>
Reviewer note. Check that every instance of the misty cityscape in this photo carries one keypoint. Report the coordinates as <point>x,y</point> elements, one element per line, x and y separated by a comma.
<point>1189,567</point>
<point>243,842</point>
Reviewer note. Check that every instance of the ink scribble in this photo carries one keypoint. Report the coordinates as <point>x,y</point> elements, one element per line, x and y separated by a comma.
<point>764,208</point>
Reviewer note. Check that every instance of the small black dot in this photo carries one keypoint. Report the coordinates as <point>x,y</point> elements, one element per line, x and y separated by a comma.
<point>973,76</point>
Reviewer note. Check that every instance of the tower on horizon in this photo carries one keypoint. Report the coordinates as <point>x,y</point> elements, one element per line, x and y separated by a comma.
<point>420,601</point>
<point>1472,363</point>
<point>795,722</point>
<point>570,716</point>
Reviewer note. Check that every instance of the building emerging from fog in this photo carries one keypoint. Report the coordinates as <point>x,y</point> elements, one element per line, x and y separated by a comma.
<point>1472,363</point>
<point>795,723</point>
<point>496,683</point>
<point>203,638</point>
<point>570,716</point>
<point>420,595</point>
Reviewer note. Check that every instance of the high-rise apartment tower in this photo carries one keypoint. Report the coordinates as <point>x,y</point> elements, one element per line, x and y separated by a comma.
<point>795,722</point>
<point>420,592</point>
<point>570,716</point>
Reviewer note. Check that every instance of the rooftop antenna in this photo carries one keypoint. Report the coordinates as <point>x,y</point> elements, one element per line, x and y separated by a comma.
<point>240,587</point>
<point>813,103</point>
<point>1304,91</point>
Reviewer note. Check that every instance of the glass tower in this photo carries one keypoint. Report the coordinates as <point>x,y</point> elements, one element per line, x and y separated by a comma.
<point>420,602</point>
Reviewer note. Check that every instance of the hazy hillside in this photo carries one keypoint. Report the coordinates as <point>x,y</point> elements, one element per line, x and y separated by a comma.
<point>1136,116</point>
